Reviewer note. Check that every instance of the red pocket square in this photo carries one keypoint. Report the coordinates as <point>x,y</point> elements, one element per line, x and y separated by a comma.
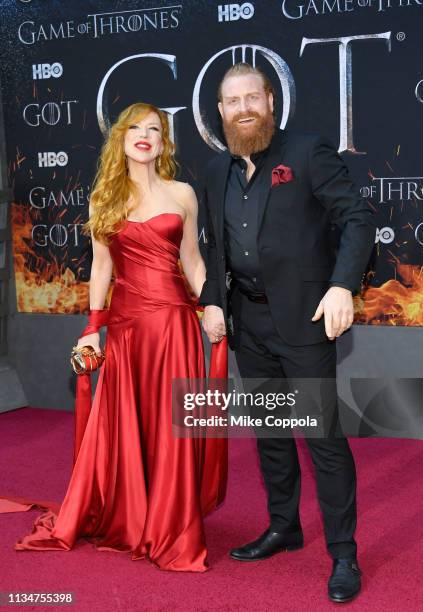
<point>281,174</point>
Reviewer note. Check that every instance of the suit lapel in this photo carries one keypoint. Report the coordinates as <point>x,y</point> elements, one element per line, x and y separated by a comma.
<point>222,180</point>
<point>273,159</point>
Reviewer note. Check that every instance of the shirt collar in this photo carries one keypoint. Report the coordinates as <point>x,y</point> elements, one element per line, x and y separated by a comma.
<point>256,157</point>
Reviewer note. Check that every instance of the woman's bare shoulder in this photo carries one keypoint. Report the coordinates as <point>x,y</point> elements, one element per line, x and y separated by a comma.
<point>183,193</point>
<point>184,190</point>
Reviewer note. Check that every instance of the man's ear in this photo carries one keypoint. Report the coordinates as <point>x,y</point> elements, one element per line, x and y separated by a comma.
<point>271,101</point>
<point>220,107</point>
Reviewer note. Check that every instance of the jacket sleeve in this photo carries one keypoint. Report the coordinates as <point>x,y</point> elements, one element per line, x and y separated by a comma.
<point>333,187</point>
<point>210,293</point>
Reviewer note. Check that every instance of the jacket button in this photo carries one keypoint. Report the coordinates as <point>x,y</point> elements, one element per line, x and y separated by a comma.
<point>222,257</point>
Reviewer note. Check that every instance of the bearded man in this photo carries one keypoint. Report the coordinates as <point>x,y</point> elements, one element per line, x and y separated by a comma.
<point>272,201</point>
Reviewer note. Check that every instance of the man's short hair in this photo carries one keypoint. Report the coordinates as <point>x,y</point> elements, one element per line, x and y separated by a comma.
<point>241,69</point>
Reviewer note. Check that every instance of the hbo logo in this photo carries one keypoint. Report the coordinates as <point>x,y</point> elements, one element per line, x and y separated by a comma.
<point>50,159</point>
<point>45,71</point>
<point>385,235</point>
<point>233,12</point>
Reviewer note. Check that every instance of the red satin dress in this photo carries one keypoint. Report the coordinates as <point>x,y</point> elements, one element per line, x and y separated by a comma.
<point>135,487</point>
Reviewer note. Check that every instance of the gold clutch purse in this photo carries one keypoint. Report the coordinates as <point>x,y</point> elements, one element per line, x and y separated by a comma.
<point>84,359</point>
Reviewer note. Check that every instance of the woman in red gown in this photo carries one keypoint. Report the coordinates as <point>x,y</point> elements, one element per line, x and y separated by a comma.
<point>134,486</point>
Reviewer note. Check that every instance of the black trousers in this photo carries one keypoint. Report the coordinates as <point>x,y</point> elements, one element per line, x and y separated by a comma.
<point>261,353</point>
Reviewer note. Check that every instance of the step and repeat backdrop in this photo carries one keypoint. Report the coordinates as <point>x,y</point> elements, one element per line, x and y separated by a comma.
<point>349,69</point>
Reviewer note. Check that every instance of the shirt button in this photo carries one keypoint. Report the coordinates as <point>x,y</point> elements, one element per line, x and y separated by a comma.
<point>254,278</point>
<point>244,224</point>
<point>245,252</point>
<point>245,197</point>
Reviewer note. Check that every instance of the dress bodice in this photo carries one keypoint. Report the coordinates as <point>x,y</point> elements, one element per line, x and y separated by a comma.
<point>146,259</point>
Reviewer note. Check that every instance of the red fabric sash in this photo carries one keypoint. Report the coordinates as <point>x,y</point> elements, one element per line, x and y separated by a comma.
<point>96,319</point>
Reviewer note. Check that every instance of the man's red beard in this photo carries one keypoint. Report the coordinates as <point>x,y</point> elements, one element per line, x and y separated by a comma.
<point>245,140</point>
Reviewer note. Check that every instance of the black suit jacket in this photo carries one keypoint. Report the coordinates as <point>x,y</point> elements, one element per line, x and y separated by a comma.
<point>295,238</point>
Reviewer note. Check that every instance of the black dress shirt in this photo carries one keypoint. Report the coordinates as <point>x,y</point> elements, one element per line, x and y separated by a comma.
<point>242,202</point>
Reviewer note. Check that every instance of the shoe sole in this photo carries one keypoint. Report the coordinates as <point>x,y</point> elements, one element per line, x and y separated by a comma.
<point>286,549</point>
<point>343,600</point>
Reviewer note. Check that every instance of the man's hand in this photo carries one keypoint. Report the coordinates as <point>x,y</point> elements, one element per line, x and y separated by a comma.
<point>338,310</point>
<point>214,323</point>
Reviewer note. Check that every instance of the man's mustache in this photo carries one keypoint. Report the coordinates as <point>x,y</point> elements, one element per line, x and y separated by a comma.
<point>239,116</point>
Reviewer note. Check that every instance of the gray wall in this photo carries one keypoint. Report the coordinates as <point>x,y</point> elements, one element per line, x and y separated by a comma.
<point>40,345</point>
<point>11,391</point>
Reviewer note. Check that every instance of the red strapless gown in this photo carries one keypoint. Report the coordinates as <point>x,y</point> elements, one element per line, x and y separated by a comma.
<point>135,487</point>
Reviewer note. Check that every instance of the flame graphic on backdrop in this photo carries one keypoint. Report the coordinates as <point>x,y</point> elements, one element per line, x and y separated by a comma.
<point>394,302</point>
<point>46,285</point>
<point>42,285</point>
<point>50,287</point>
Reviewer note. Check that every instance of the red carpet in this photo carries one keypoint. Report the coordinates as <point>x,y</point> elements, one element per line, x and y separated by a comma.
<point>35,459</point>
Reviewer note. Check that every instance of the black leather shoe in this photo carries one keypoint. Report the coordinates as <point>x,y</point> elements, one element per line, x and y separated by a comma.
<point>345,581</point>
<point>268,544</point>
